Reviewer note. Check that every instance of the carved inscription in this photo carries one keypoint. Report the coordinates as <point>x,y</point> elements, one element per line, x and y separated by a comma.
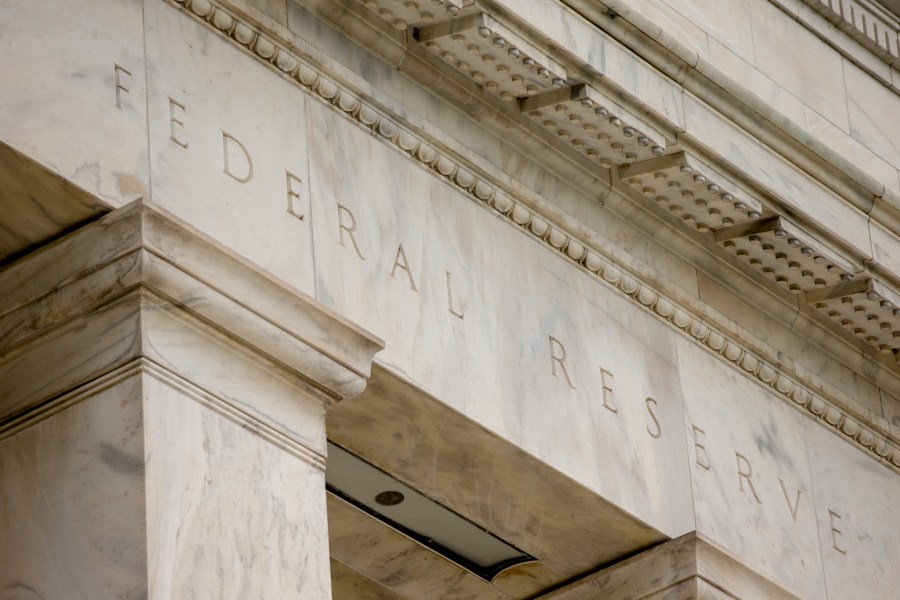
<point>237,162</point>
<point>121,72</point>
<point>294,185</point>
<point>796,505</point>
<point>835,520</point>
<point>656,432</point>
<point>177,112</point>
<point>559,369</point>
<point>745,484</point>
<point>347,224</point>
<point>401,266</point>
<point>238,165</point>
<point>606,379</point>
<point>401,262</point>
<point>699,448</point>
<point>558,356</point>
<point>231,147</point>
<point>745,473</point>
<point>450,307</point>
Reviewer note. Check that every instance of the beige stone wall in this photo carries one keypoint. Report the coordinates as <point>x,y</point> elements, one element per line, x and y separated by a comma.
<point>543,297</point>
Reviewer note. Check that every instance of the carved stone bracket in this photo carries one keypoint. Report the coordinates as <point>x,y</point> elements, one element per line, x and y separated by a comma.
<point>759,362</point>
<point>493,56</point>
<point>869,309</point>
<point>786,254</point>
<point>402,14</point>
<point>594,125</point>
<point>692,191</point>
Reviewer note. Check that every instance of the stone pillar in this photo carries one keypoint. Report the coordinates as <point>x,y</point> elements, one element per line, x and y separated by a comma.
<point>162,409</point>
<point>690,567</point>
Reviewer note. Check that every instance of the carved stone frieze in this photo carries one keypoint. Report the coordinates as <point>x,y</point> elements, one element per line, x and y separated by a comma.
<point>756,361</point>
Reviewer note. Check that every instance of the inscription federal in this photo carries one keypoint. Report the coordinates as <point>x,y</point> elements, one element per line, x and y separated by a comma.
<point>458,313</point>
<point>401,262</point>
<point>401,266</point>
<point>419,146</point>
<point>347,224</point>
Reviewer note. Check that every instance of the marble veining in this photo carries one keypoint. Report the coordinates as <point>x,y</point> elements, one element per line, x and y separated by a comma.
<point>869,435</point>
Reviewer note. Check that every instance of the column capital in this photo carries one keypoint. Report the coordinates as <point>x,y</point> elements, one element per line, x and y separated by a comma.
<point>145,257</point>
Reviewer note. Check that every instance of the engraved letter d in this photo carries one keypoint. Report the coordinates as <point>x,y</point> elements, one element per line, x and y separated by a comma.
<point>229,141</point>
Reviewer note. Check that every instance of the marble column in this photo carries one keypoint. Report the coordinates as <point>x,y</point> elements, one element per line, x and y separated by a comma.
<point>691,567</point>
<point>162,409</point>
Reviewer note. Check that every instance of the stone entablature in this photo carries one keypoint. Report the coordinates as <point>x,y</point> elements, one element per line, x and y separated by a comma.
<point>867,22</point>
<point>739,46</point>
<point>571,238</point>
<point>731,342</point>
<point>696,210</point>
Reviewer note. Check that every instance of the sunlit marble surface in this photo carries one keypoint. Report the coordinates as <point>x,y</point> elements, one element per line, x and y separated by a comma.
<point>200,117</point>
<point>494,364</point>
<point>73,93</point>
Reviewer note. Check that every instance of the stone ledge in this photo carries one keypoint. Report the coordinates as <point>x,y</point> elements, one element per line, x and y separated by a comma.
<point>687,568</point>
<point>716,333</point>
<point>866,22</point>
<point>142,247</point>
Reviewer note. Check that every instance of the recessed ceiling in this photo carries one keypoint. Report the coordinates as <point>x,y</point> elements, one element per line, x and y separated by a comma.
<point>414,446</point>
<point>417,516</point>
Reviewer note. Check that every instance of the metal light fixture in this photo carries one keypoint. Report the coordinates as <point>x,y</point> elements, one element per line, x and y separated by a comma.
<point>399,506</point>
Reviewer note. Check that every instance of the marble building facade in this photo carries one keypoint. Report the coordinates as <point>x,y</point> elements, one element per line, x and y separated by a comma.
<point>413,299</point>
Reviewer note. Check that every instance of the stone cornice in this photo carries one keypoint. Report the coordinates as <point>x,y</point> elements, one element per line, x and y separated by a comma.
<point>716,333</point>
<point>688,68</point>
<point>142,247</point>
<point>865,21</point>
<point>590,120</point>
